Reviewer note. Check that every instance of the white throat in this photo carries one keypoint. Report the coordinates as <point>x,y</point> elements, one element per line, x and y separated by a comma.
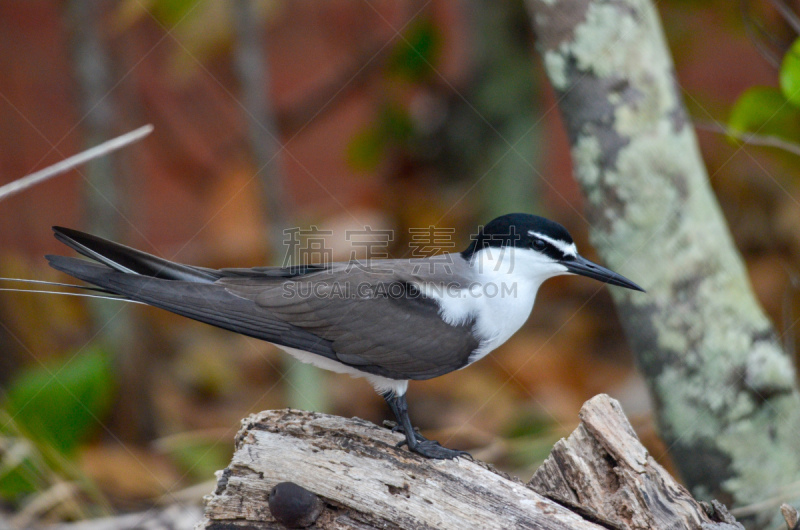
<point>504,283</point>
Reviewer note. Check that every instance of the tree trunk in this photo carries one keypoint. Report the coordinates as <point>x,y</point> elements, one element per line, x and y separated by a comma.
<point>725,392</point>
<point>355,477</point>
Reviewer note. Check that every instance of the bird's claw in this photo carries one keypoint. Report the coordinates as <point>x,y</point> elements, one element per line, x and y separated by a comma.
<point>432,449</point>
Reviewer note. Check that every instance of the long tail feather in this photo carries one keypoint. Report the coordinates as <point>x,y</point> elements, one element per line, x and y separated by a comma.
<point>129,260</point>
<point>204,301</point>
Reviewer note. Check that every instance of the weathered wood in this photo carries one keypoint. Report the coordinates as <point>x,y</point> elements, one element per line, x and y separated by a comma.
<point>366,482</point>
<point>791,516</point>
<point>603,467</point>
<point>600,477</point>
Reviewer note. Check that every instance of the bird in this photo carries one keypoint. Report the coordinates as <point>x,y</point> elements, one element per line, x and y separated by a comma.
<point>389,321</point>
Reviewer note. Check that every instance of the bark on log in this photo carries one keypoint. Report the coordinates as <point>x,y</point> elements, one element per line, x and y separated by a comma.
<point>604,468</point>
<point>725,392</point>
<point>601,477</point>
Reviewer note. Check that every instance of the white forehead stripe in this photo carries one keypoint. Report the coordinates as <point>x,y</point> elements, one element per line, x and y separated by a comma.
<point>569,249</point>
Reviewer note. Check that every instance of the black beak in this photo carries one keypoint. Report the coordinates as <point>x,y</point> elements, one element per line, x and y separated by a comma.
<point>584,267</point>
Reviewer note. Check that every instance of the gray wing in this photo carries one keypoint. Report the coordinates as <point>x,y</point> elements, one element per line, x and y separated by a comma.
<point>375,319</point>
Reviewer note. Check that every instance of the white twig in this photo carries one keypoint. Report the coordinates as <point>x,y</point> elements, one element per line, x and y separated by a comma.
<point>23,183</point>
<point>750,138</point>
<point>57,284</point>
<point>63,293</point>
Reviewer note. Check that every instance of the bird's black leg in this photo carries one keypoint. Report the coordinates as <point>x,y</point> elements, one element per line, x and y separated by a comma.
<point>391,400</point>
<point>399,408</point>
<point>415,441</point>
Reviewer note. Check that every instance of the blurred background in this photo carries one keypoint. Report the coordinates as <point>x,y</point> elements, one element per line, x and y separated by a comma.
<point>340,115</point>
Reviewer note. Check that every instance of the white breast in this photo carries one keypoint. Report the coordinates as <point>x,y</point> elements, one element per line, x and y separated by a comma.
<point>500,297</point>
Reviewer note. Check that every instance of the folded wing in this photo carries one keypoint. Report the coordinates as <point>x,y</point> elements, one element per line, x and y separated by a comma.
<point>376,321</point>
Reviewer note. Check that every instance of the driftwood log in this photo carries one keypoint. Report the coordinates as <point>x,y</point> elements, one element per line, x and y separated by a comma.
<point>349,474</point>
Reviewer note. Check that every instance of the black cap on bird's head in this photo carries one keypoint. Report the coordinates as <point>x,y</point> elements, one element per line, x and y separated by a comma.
<point>545,237</point>
<point>515,230</point>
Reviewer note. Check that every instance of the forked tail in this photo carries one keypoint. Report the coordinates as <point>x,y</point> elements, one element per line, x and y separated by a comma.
<point>121,259</point>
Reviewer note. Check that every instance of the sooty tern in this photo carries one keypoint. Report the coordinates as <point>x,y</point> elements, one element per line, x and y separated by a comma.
<point>388,321</point>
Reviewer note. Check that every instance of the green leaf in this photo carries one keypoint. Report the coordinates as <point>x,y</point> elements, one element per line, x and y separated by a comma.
<point>170,12</point>
<point>790,74</point>
<point>396,123</point>
<point>765,111</point>
<point>393,127</point>
<point>19,475</point>
<point>365,150</point>
<point>416,52</point>
<point>19,482</point>
<point>61,404</point>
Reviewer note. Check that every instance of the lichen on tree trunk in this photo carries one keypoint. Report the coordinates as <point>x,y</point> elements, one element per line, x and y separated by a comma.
<point>725,392</point>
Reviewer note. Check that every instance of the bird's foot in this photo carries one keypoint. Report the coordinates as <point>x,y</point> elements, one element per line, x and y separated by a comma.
<point>432,449</point>
<point>414,440</point>
<point>396,427</point>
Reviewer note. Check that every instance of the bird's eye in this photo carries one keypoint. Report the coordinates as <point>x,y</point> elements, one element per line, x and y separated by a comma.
<point>539,244</point>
